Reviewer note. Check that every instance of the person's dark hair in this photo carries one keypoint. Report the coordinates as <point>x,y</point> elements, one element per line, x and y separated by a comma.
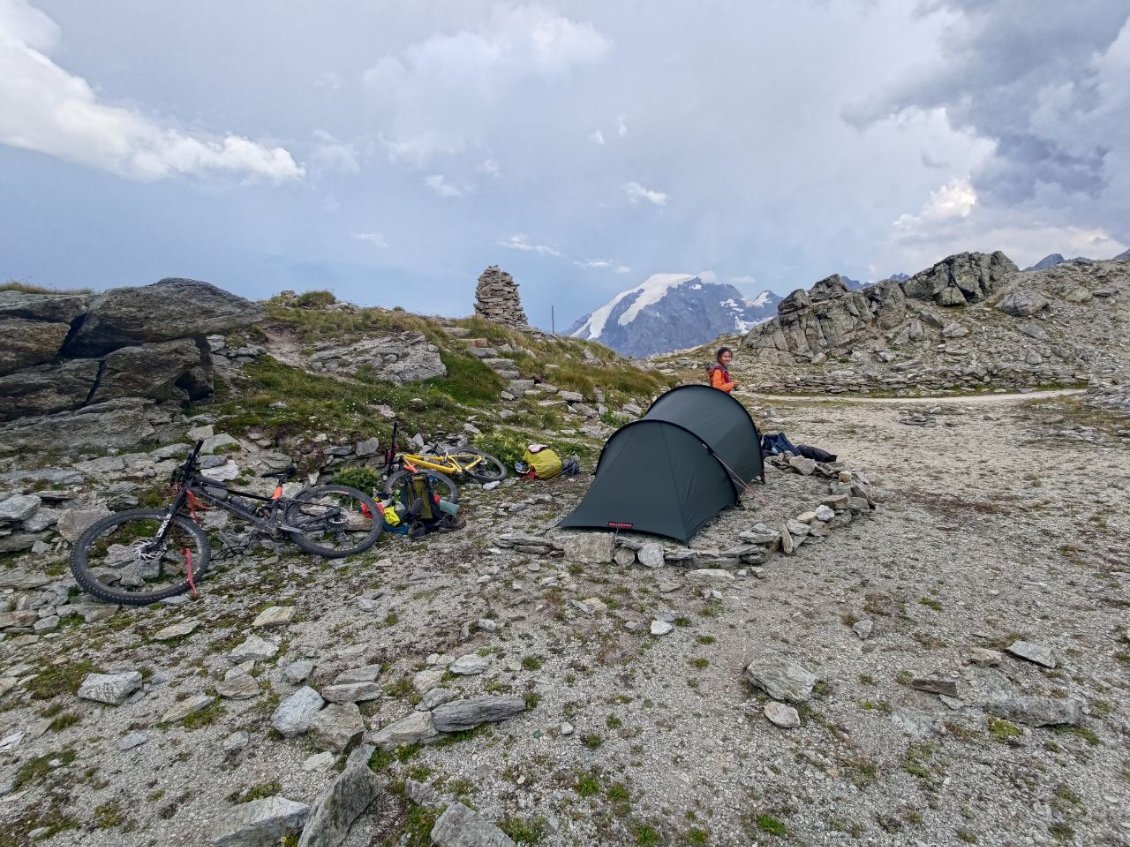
<point>721,350</point>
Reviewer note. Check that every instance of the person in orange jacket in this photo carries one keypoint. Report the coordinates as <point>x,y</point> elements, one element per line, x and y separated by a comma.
<point>720,373</point>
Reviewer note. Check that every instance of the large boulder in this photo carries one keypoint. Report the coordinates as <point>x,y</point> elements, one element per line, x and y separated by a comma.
<point>51,308</point>
<point>45,389</point>
<point>24,343</point>
<point>960,279</point>
<point>120,424</point>
<point>829,318</point>
<point>149,370</point>
<point>166,310</point>
<point>1023,303</point>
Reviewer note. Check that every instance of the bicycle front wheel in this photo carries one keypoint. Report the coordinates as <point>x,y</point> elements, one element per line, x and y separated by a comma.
<point>481,466</point>
<point>333,521</point>
<point>120,559</point>
<point>395,486</point>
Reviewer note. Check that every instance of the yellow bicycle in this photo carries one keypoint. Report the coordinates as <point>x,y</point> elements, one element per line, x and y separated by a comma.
<point>462,463</point>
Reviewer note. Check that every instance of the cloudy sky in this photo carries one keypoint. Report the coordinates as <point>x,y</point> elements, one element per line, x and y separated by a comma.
<point>389,151</point>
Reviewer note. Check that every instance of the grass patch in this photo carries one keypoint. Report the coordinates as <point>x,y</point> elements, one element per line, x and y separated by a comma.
<point>63,721</point>
<point>36,768</point>
<point>257,792</point>
<point>1004,731</point>
<point>59,679</point>
<point>772,826</point>
<point>205,717</point>
<point>1087,735</point>
<point>525,830</point>
<point>645,835</point>
<point>109,815</point>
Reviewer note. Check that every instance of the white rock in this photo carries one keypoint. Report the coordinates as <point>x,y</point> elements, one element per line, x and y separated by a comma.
<point>294,714</point>
<point>650,554</point>
<point>319,761</point>
<point>660,627</point>
<point>783,716</point>
<point>274,616</point>
<point>259,823</point>
<point>1038,653</point>
<point>825,513</point>
<point>112,689</point>
<point>254,648</point>
<point>469,665</point>
<point>177,630</point>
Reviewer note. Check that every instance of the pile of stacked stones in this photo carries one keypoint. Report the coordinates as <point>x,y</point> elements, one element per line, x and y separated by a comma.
<point>496,299</point>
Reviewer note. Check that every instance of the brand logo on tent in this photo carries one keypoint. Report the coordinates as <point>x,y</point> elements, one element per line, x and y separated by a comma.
<point>619,525</point>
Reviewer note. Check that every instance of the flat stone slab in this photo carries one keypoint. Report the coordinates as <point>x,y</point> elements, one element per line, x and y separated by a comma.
<point>341,803</point>
<point>782,715</point>
<point>240,686</point>
<point>274,616</point>
<point>260,823</point>
<point>460,715</point>
<point>109,688</point>
<point>1038,653</point>
<point>188,706</point>
<point>935,686</point>
<point>176,630</point>
<point>458,826</point>
<point>469,665</point>
<point>352,692</point>
<point>782,680</point>
<point>337,727</point>
<point>255,648</point>
<point>413,728</point>
<point>294,714</point>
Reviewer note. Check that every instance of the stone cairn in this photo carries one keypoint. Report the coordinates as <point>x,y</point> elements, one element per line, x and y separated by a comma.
<point>496,299</point>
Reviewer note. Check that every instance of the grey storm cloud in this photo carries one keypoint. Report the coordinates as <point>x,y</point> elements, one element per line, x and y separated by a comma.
<point>1028,75</point>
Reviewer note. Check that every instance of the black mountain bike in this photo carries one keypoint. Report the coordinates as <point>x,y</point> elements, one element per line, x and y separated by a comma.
<point>141,556</point>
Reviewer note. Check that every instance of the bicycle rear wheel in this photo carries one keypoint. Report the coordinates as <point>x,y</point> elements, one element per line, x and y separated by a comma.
<point>481,466</point>
<point>441,485</point>
<point>333,521</point>
<point>120,560</point>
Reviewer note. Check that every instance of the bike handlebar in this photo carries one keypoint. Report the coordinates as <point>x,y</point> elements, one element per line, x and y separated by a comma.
<point>185,471</point>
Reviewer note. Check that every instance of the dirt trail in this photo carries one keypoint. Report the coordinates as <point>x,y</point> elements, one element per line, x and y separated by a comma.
<point>959,399</point>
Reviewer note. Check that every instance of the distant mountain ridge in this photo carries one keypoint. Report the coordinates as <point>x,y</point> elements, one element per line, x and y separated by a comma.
<point>672,312</point>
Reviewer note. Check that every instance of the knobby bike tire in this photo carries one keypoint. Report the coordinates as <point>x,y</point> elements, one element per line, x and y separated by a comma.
<point>441,485</point>
<point>333,521</point>
<point>488,469</point>
<point>102,557</point>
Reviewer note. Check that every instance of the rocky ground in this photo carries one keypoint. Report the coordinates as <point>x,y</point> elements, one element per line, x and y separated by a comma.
<point>957,662</point>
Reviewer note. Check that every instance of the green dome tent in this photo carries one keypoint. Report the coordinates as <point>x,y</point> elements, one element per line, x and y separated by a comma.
<point>690,456</point>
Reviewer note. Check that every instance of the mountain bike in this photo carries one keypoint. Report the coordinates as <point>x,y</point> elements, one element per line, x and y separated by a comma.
<point>140,556</point>
<point>440,467</point>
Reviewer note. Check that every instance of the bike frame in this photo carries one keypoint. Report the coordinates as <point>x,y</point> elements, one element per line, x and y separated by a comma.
<point>192,494</point>
<point>444,463</point>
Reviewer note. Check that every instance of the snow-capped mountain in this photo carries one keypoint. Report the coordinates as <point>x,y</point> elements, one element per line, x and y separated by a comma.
<point>672,312</point>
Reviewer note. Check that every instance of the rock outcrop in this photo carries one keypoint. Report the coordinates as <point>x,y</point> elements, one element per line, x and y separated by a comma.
<point>972,321</point>
<point>496,299</point>
<point>960,279</point>
<point>64,352</point>
<point>828,318</point>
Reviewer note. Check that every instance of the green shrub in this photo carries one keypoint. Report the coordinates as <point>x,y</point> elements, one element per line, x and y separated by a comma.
<point>314,299</point>
<point>361,478</point>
